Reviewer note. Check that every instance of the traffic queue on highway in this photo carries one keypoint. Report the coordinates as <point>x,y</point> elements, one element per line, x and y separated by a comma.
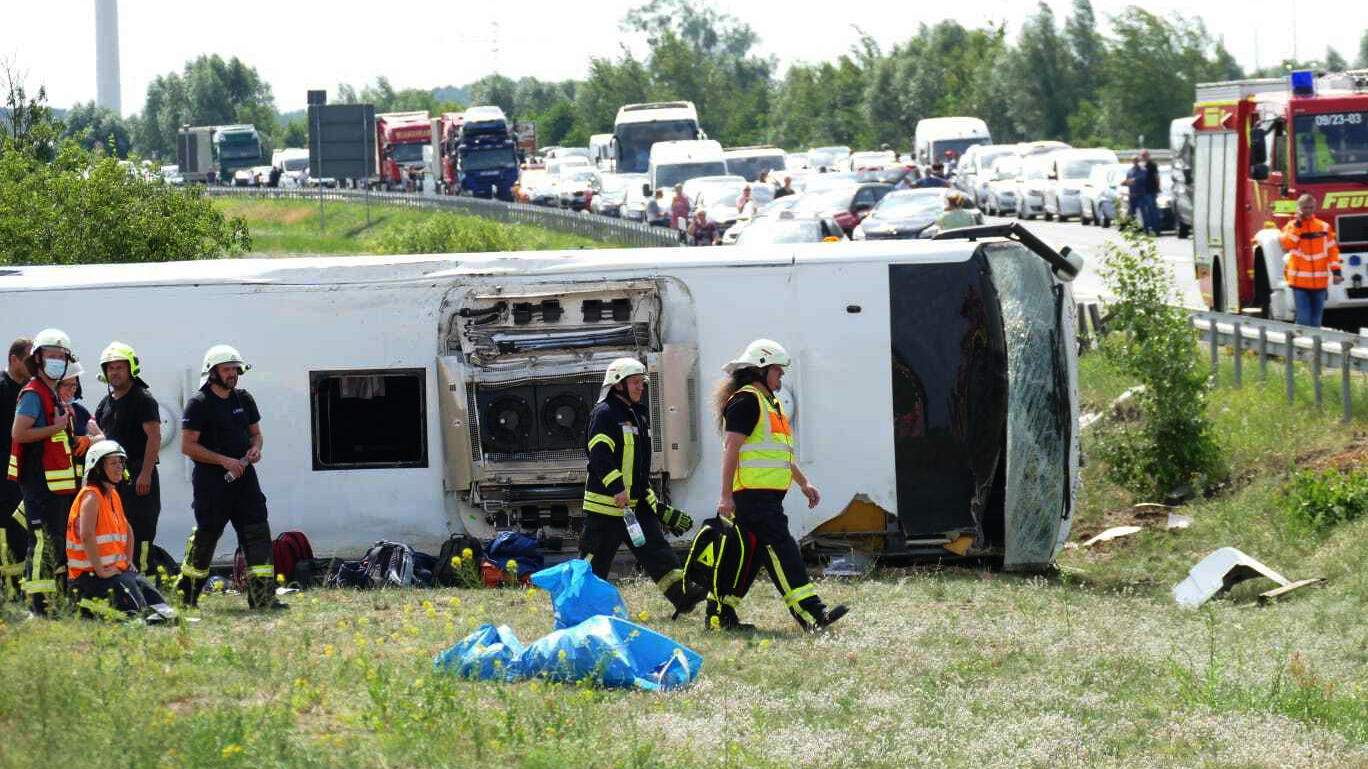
<point>768,194</point>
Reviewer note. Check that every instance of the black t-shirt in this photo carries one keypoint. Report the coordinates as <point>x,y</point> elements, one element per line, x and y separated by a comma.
<point>222,422</point>
<point>9,399</point>
<point>122,420</point>
<point>741,415</point>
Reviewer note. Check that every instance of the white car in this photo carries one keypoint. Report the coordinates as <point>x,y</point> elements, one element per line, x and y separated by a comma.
<point>876,159</point>
<point>1000,193</point>
<point>1068,170</point>
<point>1098,195</point>
<point>975,170</point>
<point>576,185</point>
<point>695,187</point>
<point>829,158</point>
<point>1031,184</point>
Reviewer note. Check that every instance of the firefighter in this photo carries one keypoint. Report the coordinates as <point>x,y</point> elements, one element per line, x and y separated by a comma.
<point>99,544</point>
<point>619,450</point>
<point>1311,261</point>
<point>13,528</point>
<point>221,432</point>
<point>43,462</point>
<point>757,470</point>
<point>130,415</point>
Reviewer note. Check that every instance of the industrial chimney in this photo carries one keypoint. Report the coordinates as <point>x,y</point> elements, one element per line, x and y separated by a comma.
<point>107,55</point>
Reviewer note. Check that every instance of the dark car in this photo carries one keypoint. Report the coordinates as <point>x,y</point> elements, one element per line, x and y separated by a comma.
<point>789,227</point>
<point>847,203</point>
<point>906,214</point>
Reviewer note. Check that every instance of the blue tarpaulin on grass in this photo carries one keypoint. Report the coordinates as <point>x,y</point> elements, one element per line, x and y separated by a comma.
<point>578,594</point>
<point>608,650</point>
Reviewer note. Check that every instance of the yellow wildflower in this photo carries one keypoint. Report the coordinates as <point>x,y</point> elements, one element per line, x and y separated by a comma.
<point>644,616</point>
<point>232,750</point>
<point>466,553</point>
<point>511,566</point>
<point>453,602</point>
<point>329,650</point>
<point>715,622</point>
<point>455,561</point>
<point>280,578</point>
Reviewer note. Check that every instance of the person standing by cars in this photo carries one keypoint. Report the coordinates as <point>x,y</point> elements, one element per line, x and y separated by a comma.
<point>43,462</point>
<point>679,209</point>
<point>130,416</point>
<point>786,189</point>
<point>13,530</point>
<point>935,179</point>
<point>1149,201</point>
<point>221,432</point>
<point>954,215</point>
<point>1311,260</point>
<point>757,469</point>
<point>745,204</point>
<point>655,211</point>
<point>619,480</point>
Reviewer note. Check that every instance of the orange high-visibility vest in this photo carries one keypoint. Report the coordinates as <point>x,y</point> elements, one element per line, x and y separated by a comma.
<point>111,534</point>
<point>1312,254</point>
<point>59,464</point>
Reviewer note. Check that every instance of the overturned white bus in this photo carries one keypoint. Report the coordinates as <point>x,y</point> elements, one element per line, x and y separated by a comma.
<point>933,392</point>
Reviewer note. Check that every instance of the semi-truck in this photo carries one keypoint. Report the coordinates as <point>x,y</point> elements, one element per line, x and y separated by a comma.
<point>486,154</point>
<point>222,150</point>
<point>436,394</point>
<point>944,139</point>
<point>399,141</point>
<point>450,133</point>
<point>1259,145</point>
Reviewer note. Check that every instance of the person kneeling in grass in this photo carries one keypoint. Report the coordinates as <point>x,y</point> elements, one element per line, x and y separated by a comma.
<point>100,545</point>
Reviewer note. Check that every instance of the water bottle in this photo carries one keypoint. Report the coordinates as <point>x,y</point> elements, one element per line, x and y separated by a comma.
<point>633,527</point>
<point>228,476</point>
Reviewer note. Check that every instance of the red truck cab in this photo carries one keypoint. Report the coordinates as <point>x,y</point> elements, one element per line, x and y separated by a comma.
<point>1261,144</point>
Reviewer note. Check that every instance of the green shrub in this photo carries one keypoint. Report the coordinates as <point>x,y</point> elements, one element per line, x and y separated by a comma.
<point>446,234</point>
<point>1150,337</point>
<point>1324,499</point>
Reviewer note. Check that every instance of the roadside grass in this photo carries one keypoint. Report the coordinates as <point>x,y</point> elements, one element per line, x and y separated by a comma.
<point>935,666</point>
<point>285,227</point>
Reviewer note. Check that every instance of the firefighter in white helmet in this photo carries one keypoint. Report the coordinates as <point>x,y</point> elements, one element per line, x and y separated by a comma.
<point>43,462</point>
<point>130,415</point>
<point>757,469</point>
<point>99,544</point>
<point>619,449</point>
<point>221,432</point>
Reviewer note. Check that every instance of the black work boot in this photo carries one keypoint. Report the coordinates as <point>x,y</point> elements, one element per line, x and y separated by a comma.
<point>827,617</point>
<point>722,617</point>
<point>685,601</point>
<point>189,590</point>
<point>261,595</point>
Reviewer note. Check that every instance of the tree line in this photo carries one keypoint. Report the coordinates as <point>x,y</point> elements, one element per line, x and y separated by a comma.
<point>1053,79</point>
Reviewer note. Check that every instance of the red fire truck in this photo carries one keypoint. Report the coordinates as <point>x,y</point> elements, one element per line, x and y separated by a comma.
<point>1258,146</point>
<point>400,138</point>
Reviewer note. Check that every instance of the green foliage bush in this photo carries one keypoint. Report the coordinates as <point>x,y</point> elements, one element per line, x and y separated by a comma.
<point>82,208</point>
<point>1321,500</point>
<point>447,234</point>
<point>1150,337</point>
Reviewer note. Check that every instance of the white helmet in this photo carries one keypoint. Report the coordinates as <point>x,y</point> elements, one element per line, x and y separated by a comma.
<point>54,337</point>
<point>99,451</point>
<point>74,371</point>
<point>222,353</point>
<point>619,370</point>
<point>758,354</point>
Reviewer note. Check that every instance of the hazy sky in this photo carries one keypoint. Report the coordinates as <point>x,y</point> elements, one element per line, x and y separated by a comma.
<point>425,43</point>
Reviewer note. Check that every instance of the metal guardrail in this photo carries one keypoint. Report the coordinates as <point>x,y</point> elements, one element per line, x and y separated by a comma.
<point>1266,340</point>
<point>585,224</point>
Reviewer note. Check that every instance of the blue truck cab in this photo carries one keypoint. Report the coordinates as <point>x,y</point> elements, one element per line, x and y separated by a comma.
<point>486,154</point>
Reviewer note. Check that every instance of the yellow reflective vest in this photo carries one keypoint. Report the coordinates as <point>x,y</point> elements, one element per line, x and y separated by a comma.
<point>766,457</point>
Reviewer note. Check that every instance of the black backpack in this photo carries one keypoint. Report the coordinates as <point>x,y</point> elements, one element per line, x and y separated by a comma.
<point>389,564</point>
<point>349,574</point>
<point>444,574</point>
<point>721,558</point>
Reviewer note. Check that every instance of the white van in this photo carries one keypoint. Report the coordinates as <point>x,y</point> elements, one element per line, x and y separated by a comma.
<point>679,161</point>
<point>750,162</point>
<point>942,138</point>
